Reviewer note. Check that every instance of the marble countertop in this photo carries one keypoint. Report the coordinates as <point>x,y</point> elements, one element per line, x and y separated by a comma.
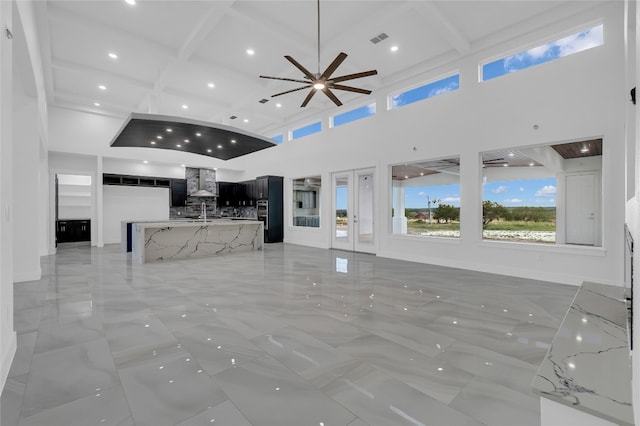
<point>197,222</point>
<point>588,366</point>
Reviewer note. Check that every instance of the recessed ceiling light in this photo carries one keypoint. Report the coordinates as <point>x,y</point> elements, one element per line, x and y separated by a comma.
<point>113,55</point>
<point>198,134</point>
<point>185,106</point>
<point>215,168</point>
<point>208,150</point>
<point>406,177</point>
<point>152,142</point>
<point>96,104</point>
<point>182,165</point>
<point>233,141</point>
<point>219,146</point>
<point>584,149</point>
<point>278,105</point>
<point>179,146</point>
<point>394,48</point>
<point>250,52</point>
<point>158,137</point>
<point>102,87</point>
<point>531,164</point>
<point>130,2</point>
<point>169,130</point>
<point>511,154</point>
<point>246,120</point>
<point>505,165</point>
<point>421,173</point>
<point>211,85</point>
<point>145,162</point>
<point>186,141</point>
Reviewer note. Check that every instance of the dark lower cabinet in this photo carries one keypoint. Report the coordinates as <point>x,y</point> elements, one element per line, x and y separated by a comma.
<point>70,231</point>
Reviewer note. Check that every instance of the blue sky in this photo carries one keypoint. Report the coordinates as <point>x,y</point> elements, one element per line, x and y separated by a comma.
<point>535,193</point>
<point>439,87</point>
<point>547,52</point>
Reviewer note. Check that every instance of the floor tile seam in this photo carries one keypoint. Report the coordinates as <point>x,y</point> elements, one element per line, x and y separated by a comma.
<point>114,386</point>
<point>22,394</point>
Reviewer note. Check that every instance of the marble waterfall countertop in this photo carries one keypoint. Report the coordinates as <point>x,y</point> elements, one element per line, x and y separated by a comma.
<point>174,239</point>
<point>588,366</point>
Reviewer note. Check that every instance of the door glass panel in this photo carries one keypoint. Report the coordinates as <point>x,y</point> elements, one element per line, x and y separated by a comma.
<point>341,213</point>
<point>365,208</point>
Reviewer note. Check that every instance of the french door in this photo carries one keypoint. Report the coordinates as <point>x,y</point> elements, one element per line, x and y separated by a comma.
<point>353,222</point>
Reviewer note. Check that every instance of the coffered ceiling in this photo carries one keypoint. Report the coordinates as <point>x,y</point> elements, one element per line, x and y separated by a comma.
<point>170,53</point>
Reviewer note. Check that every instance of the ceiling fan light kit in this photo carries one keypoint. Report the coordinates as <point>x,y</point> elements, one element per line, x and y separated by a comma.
<point>323,81</point>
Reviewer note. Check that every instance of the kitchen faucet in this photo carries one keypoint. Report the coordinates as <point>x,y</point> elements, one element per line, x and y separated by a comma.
<point>203,211</point>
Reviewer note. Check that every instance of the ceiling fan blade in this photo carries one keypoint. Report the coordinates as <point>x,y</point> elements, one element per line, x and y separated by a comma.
<point>334,65</point>
<point>285,79</point>
<point>331,96</point>
<point>353,76</point>
<point>308,98</point>
<point>289,91</point>
<point>300,67</point>
<point>351,89</point>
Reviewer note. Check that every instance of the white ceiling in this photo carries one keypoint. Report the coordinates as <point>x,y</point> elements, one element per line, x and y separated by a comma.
<point>168,51</point>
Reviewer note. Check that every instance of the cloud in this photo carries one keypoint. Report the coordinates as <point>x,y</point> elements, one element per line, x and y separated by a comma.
<point>448,200</point>
<point>546,191</point>
<point>513,201</point>
<point>421,193</point>
<point>522,189</point>
<point>555,49</point>
<point>500,189</point>
<point>443,89</point>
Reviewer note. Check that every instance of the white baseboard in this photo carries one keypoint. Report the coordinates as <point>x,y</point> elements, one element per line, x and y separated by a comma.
<point>7,358</point>
<point>33,275</point>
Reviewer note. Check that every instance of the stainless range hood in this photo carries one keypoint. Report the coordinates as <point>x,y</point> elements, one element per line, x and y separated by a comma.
<point>202,192</point>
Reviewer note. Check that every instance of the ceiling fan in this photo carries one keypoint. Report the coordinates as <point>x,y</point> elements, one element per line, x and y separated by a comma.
<point>323,81</point>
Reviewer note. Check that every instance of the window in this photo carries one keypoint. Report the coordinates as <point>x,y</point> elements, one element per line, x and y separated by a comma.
<point>306,202</point>
<point>430,90</point>
<point>307,130</point>
<point>566,46</point>
<point>547,194</point>
<point>426,198</point>
<point>278,139</point>
<point>354,114</point>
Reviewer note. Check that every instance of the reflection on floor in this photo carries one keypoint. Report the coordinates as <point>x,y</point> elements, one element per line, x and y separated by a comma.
<point>287,336</point>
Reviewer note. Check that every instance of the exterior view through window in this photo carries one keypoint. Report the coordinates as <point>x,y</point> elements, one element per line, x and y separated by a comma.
<point>426,198</point>
<point>584,40</point>
<point>546,194</point>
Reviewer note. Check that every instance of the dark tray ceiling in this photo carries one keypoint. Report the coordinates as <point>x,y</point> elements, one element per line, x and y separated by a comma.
<point>140,130</point>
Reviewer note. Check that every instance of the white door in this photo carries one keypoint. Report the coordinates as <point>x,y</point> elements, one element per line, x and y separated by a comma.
<point>353,210</point>
<point>581,209</point>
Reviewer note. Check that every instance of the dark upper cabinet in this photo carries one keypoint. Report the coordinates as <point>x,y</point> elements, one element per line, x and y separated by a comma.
<point>227,193</point>
<point>178,192</point>
<point>262,188</point>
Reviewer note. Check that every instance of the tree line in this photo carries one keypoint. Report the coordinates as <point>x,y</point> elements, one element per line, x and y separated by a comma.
<point>491,211</point>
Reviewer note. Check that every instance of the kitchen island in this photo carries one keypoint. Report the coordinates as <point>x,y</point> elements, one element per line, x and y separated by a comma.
<point>166,240</point>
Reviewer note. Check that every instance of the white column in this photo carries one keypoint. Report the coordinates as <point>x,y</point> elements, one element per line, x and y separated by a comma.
<point>7,335</point>
<point>399,219</point>
<point>99,204</point>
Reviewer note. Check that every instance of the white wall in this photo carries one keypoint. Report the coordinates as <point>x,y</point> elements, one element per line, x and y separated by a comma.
<point>134,204</point>
<point>26,254</point>
<point>579,96</point>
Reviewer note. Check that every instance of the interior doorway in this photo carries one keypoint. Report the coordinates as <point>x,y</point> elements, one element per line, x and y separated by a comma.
<point>73,208</point>
<point>353,223</point>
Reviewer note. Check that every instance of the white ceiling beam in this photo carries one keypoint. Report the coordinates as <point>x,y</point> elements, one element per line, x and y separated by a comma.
<point>443,26</point>
<point>100,74</point>
<point>93,26</point>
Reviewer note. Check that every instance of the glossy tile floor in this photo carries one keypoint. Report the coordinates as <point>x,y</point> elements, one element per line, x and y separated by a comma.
<point>289,336</point>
